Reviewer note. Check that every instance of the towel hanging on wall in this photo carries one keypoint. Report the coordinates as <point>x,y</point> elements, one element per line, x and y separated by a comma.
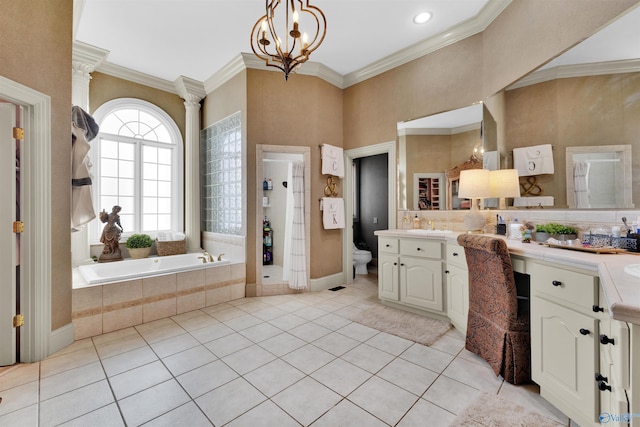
<point>534,160</point>
<point>332,212</point>
<point>332,161</point>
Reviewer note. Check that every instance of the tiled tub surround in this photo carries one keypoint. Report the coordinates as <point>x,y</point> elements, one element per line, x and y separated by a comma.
<point>104,308</point>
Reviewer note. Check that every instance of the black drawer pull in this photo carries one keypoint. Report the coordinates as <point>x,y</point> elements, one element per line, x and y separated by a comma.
<point>599,377</point>
<point>446,272</point>
<point>556,283</point>
<point>455,254</point>
<point>418,248</point>
<point>401,264</point>
<point>395,263</point>
<point>597,308</point>
<point>388,246</point>
<point>584,331</point>
<point>603,386</point>
<point>606,340</point>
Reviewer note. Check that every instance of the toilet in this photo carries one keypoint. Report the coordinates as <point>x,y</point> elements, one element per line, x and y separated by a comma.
<point>360,260</point>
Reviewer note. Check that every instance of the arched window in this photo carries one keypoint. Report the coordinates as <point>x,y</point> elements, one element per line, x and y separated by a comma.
<point>137,164</point>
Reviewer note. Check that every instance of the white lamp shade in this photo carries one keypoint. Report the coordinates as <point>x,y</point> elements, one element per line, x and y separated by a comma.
<point>504,183</point>
<point>474,184</point>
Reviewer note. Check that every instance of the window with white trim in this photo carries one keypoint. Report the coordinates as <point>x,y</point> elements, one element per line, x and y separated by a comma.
<point>137,165</point>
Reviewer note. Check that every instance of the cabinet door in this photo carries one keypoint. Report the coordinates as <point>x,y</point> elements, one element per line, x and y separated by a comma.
<point>563,358</point>
<point>388,277</point>
<point>458,297</point>
<point>421,283</point>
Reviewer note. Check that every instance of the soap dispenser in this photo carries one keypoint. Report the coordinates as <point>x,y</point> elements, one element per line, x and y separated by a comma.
<point>416,222</point>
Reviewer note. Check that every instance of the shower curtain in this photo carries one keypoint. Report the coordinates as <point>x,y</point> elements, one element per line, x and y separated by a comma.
<point>295,259</point>
<point>581,184</point>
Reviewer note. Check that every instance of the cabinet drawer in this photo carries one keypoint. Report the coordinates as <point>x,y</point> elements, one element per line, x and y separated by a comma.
<point>560,285</point>
<point>388,245</point>
<point>421,248</point>
<point>456,255</point>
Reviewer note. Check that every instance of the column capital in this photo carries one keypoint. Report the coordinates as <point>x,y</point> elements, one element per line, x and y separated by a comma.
<point>192,91</point>
<point>86,57</point>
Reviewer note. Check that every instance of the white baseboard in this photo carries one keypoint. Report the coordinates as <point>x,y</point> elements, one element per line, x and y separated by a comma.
<point>327,282</point>
<point>60,338</point>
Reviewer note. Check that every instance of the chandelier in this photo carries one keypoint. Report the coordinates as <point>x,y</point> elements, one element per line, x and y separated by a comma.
<point>294,49</point>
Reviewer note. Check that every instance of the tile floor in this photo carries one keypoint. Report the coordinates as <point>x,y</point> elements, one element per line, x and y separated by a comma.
<point>271,361</point>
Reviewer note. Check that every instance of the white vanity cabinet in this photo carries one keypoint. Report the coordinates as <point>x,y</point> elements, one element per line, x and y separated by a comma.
<point>564,339</point>
<point>457,281</point>
<point>410,272</point>
<point>613,377</point>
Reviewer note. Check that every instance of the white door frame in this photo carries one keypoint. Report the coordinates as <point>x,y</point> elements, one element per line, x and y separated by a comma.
<point>347,237</point>
<point>35,203</point>
<point>8,238</point>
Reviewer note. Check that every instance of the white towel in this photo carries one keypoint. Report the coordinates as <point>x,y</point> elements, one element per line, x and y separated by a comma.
<point>332,161</point>
<point>534,160</point>
<point>332,212</point>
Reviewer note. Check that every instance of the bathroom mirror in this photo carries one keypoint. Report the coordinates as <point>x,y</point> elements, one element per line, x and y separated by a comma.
<point>599,177</point>
<point>430,145</point>
<point>583,97</point>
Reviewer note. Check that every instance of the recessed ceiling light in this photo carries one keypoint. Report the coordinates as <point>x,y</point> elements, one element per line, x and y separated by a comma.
<point>422,17</point>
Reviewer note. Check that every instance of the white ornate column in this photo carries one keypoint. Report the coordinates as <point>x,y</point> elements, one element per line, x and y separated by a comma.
<point>84,61</point>
<point>192,92</point>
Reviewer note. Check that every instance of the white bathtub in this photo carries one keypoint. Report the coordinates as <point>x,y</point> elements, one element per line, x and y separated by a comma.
<point>117,271</point>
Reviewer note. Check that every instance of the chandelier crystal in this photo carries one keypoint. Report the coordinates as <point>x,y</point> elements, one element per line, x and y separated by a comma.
<point>294,48</point>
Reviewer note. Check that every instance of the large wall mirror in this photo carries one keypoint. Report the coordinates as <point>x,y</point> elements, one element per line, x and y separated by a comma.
<point>431,145</point>
<point>587,97</point>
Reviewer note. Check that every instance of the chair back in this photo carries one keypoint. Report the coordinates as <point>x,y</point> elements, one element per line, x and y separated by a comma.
<point>492,287</point>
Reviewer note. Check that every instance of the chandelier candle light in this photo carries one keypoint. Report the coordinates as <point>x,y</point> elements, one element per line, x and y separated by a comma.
<point>287,55</point>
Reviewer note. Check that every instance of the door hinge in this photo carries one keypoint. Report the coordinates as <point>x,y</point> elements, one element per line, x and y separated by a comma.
<point>18,227</point>
<point>18,133</point>
<point>18,320</point>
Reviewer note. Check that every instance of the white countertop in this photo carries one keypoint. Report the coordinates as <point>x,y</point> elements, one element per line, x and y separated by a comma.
<point>621,290</point>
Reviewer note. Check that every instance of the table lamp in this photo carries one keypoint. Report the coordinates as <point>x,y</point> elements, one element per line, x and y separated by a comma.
<point>474,185</point>
<point>504,183</point>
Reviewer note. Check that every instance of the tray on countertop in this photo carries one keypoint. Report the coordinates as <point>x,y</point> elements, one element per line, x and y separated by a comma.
<point>602,250</point>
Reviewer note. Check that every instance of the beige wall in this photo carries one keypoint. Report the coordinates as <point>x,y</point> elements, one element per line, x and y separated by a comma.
<point>521,39</point>
<point>35,50</point>
<point>304,111</point>
<point>581,111</point>
<point>104,87</point>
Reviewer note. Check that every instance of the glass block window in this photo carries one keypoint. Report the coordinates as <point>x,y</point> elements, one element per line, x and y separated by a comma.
<point>137,160</point>
<point>221,178</point>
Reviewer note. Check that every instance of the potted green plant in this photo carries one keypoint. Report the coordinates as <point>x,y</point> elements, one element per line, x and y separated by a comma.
<point>555,231</point>
<point>139,245</point>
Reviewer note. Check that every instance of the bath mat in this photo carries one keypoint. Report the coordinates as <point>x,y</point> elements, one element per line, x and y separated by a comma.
<point>490,410</point>
<point>337,288</point>
<point>413,327</point>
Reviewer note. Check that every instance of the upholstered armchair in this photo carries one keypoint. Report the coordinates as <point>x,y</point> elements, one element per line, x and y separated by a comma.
<point>497,330</point>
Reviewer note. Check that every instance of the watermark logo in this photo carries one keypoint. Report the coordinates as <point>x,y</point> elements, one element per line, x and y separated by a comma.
<point>606,417</point>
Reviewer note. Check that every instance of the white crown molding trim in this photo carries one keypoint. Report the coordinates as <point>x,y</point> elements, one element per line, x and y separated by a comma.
<point>249,60</point>
<point>439,131</point>
<point>466,29</point>
<point>87,54</point>
<point>136,77</point>
<point>578,70</point>
<point>189,89</point>
<point>226,73</point>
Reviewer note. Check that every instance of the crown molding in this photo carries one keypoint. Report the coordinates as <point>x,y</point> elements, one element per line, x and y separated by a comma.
<point>578,70</point>
<point>472,26</point>
<point>137,77</point>
<point>91,56</point>
<point>226,73</point>
<point>189,89</point>
<point>439,131</point>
